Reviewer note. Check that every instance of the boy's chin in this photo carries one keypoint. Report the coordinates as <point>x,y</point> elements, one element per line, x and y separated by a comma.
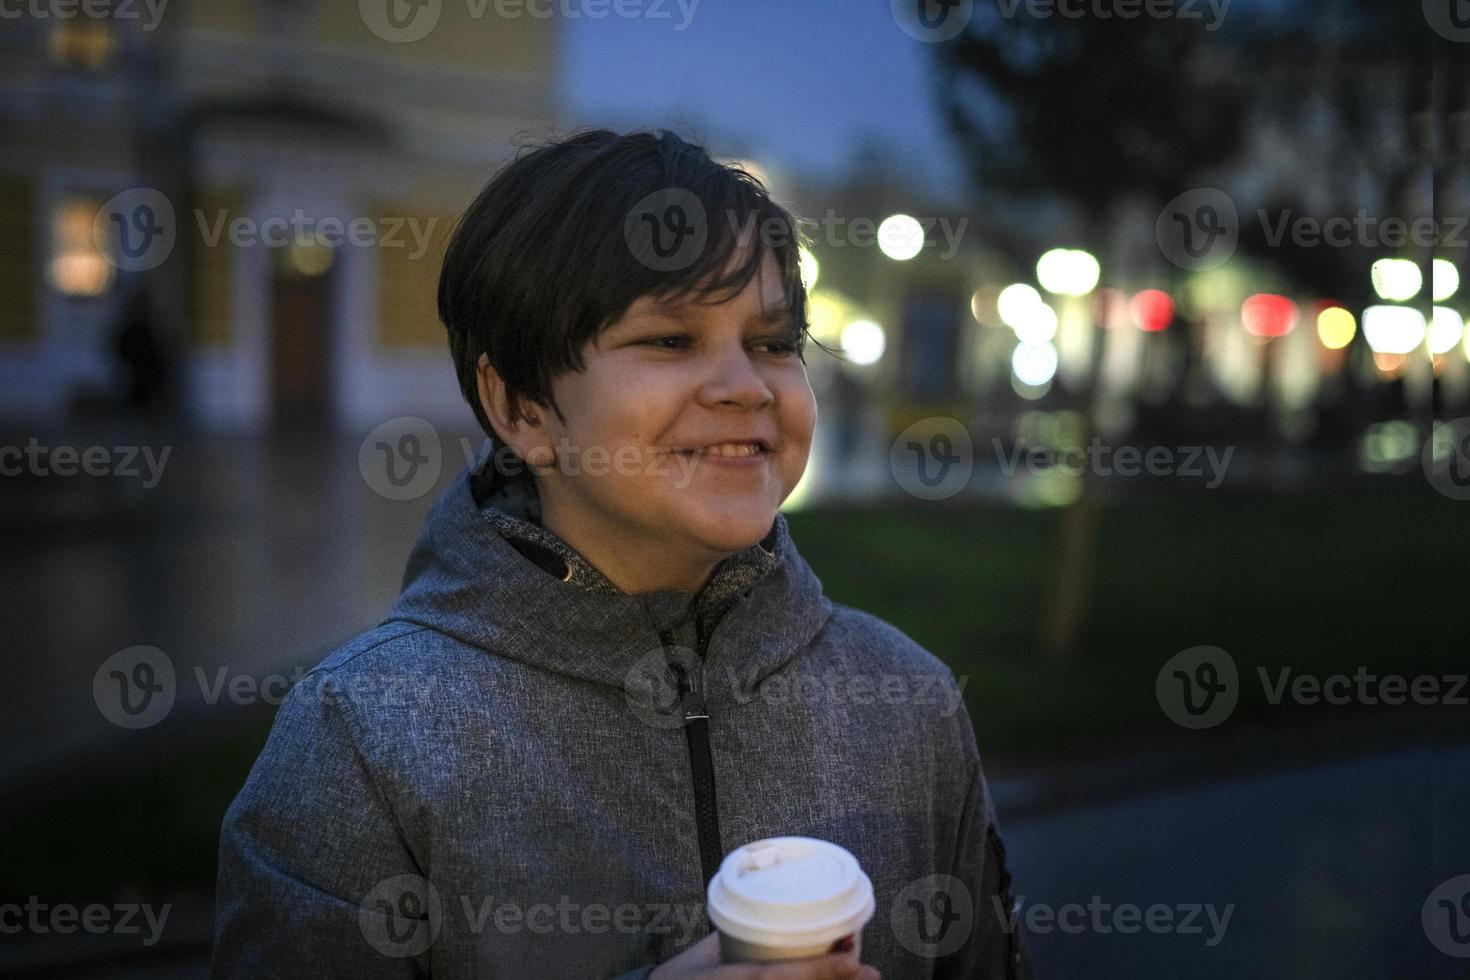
<point>730,530</point>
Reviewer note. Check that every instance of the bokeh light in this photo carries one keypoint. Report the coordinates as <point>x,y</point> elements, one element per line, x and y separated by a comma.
<point>1035,364</point>
<point>1152,310</point>
<point>1444,280</point>
<point>1336,327</point>
<point>1017,304</point>
<point>900,237</point>
<point>1037,326</point>
<point>829,313</point>
<point>863,341</point>
<point>1393,329</point>
<point>1445,330</point>
<point>1068,272</point>
<point>810,268</point>
<point>1397,280</point>
<point>1268,315</point>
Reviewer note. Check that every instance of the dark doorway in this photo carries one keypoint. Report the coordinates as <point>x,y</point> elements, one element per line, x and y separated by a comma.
<point>301,330</point>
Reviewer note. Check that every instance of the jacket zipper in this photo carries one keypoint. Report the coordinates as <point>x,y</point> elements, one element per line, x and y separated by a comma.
<point>696,729</point>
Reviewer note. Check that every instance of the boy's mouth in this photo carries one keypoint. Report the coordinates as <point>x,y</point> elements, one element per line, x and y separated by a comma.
<point>736,450</point>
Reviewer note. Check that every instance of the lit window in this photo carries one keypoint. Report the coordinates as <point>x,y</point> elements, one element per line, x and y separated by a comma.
<point>77,267</point>
<point>86,43</point>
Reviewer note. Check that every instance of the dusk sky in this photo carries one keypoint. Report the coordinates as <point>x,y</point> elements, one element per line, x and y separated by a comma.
<point>798,83</point>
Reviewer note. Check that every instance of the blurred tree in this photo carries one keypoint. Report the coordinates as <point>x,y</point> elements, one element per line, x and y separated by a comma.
<point>1341,97</point>
<point>1094,113</point>
<point>1100,114</point>
<point>1090,110</point>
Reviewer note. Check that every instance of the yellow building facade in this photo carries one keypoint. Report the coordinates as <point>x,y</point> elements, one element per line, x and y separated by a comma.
<point>281,179</point>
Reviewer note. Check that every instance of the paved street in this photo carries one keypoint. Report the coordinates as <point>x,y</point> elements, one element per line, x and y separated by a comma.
<point>253,559</point>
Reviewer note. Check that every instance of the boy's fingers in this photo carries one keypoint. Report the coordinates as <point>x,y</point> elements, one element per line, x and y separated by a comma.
<point>835,966</point>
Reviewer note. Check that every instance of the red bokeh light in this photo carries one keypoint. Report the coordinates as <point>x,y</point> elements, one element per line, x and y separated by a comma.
<point>1152,310</point>
<point>1268,315</point>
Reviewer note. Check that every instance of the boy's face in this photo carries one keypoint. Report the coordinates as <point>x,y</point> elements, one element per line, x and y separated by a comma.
<point>664,381</point>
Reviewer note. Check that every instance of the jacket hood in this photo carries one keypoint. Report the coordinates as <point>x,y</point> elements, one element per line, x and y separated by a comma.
<point>485,572</point>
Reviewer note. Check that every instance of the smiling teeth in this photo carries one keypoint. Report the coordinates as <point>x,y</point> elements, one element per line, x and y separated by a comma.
<point>730,449</point>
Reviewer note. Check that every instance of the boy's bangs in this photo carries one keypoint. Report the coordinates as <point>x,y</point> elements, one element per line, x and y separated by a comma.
<point>733,254</point>
<point>552,252</point>
<point>742,226</point>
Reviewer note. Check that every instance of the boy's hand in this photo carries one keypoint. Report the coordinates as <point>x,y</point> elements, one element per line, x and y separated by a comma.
<point>702,962</point>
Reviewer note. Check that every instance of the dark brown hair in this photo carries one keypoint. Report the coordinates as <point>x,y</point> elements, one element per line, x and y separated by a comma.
<point>564,239</point>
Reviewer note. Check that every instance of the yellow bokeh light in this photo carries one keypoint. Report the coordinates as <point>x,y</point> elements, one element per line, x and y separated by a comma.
<point>309,258</point>
<point>1336,327</point>
<point>828,313</point>
<point>810,268</point>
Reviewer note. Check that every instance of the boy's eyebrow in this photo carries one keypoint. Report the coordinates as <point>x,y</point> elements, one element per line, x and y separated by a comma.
<point>780,313</point>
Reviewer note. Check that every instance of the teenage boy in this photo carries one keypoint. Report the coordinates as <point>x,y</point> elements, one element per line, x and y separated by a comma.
<point>609,665</point>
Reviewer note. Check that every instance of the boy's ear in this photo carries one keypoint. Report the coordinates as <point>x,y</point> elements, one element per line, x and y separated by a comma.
<point>524,434</point>
<point>494,399</point>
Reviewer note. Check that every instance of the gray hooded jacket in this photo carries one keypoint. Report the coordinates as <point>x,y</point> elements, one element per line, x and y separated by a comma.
<point>524,772</point>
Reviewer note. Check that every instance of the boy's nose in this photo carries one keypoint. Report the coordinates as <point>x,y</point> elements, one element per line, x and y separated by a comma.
<point>733,379</point>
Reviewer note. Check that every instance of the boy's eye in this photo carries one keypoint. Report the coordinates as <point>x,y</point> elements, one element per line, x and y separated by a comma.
<point>660,341</point>
<point>776,346</point>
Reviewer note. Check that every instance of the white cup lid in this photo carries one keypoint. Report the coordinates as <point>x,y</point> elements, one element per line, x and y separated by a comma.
<point>790,891</point>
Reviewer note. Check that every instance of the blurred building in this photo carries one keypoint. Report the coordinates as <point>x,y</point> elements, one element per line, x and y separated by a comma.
<point>897,268</point>
<point>279,176</point>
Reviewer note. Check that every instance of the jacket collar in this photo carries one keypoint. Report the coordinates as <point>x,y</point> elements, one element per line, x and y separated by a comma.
<point>485,572</point>
<point>514,510</point>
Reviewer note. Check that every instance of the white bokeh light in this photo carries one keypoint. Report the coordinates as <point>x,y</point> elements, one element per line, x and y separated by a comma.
<point>1039,325</point>
<point>1445,330</point>
<point>900,237</point>
<point>863,341</point>
<point>1068,272</point>
<point>1034,364</point>
<point>1444,280</point>
<point>1017,303</point>
<point>1393,329</point>
<point>1397,280</point>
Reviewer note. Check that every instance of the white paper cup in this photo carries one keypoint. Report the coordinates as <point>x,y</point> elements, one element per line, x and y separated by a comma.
<point>788,898</point>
